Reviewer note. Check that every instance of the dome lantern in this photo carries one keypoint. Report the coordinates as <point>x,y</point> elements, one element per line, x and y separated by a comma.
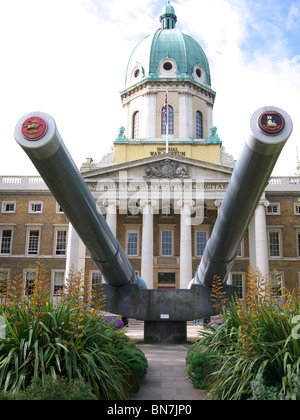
<point>168,18</point>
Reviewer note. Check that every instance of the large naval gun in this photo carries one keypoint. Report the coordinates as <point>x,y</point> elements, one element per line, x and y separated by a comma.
<point>165,312</point>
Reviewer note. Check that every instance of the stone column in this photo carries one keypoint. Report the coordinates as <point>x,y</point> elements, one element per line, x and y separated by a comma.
<point>75,261</point>
<point>209,120</point>
<point>150,111</point>
<point>147,244</point>
<point>258,241</point>
<point>185,115</point>
<point>186,269</point>
<point>111,215</point>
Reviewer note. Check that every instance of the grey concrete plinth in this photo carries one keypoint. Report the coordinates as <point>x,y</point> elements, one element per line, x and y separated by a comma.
<point>165,332</point>
<point>175,305</point>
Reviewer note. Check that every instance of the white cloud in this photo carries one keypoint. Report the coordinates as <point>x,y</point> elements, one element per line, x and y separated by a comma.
<point>293,16</point>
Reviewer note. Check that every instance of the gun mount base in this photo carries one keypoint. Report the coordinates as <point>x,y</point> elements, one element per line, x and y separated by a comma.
<point>165,332</point>
<point>165,312</point>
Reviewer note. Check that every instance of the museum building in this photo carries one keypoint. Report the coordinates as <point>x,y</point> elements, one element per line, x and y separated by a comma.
<point>160,187</point>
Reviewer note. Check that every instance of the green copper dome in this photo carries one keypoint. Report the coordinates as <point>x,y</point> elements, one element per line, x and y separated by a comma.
<point>168,53</point>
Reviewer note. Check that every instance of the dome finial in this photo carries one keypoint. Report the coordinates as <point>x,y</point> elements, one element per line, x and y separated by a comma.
<point>168,17</point>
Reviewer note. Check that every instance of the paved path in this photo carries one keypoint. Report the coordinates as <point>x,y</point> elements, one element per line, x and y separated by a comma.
<point>166,377</point>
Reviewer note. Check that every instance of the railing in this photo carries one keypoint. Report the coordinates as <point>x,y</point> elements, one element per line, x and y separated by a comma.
<point>284,182</point>
<point>11,180</point>
<point>24,182</point>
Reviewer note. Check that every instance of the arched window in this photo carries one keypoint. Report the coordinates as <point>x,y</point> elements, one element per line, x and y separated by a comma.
<point>136,125</point>
<point>199,131</point>
<point>170,121</point>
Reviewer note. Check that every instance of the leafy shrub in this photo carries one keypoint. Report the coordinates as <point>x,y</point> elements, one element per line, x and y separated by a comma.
<point>53,389</point>
<point>254,352</point>
<point>260,392</point>
<point>67,340</point>
<point>60,341</point>
<point>200,366</point>
<point>135,361</point>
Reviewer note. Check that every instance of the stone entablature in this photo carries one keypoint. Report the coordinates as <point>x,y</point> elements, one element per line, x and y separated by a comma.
<point>12,182</point>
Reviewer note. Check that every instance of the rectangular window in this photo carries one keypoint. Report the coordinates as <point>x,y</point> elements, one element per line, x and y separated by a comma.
<point>96,280</point>
<point>198,125</point>
<point>61,242</point>
<point>298,244</point>
<point>201,240</point>
<point>58,209</point>
<point>6,241</point>
<point>132,243</point>
<point>166,278</point>
<point>33,242</point>
<point>8,206</point>
<point>237,280</point>
<point>276,283</point>
<point>30,276</point>
<point>297,209</point>
<point>273,209</point>
<point>274,244</point>
<point>170,116</point>
<point>4,276</point>
<point>240,250</point>
<point>35,207</point>
<point>58,282</point>
<point>96,289</point>
<point>135,125</point>
<point>166,243</point>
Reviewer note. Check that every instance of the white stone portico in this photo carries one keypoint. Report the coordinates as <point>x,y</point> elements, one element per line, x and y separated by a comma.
<point>133,197</point>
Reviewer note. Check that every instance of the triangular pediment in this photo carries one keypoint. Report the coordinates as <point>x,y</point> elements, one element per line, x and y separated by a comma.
<point>162,166</point>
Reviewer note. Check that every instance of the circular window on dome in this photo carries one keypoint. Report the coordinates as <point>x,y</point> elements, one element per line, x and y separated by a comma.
<point>168,66</point>
<point>137,73</point>
<point>198,73</point>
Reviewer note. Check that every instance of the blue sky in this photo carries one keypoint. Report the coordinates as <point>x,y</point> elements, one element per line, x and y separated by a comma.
<point>68,58</point>
<point>273,24</point>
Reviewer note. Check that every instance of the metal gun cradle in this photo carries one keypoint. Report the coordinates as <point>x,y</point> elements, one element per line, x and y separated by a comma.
<point>165,312</point>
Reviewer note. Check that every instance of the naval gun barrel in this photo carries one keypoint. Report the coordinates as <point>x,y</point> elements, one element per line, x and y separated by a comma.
<point>270,128</point>
<point>37,134</point>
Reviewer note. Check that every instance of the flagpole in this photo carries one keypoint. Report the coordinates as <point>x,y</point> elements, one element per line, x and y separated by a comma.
<point>167,124</point>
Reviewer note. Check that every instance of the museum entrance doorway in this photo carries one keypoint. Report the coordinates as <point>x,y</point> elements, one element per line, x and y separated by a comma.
<point>166,280</point>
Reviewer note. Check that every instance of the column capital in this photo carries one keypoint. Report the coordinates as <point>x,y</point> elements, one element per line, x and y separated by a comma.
<point>190,203</point>
<point>218,203</point>
<point>264,203</point>
<point>109,201</point>
<point>149,201</point>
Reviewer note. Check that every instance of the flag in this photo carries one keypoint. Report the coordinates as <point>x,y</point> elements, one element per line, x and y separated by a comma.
<point>165,109</point>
